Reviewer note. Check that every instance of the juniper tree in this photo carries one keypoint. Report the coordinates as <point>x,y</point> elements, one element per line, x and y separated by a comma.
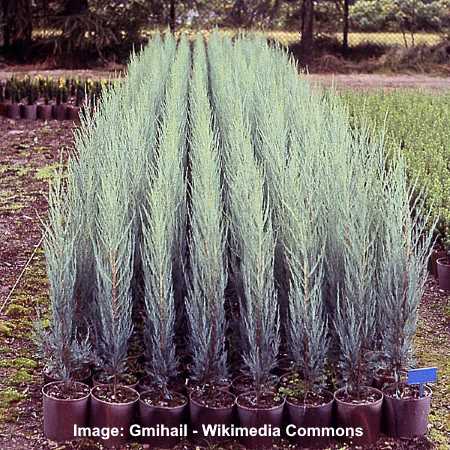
<point>356,306</point>
<point>253,240</point>
<point>113,240</point>
<point>162,223</point>
<point>303,237</point>
<point>136,101</point>
<point>208,276</point>
<point>406,244</point>
<point>63,349</point>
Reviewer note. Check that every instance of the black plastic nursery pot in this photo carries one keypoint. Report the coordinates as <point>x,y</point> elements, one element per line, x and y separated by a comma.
<point>108,414</point>
<point>310,416</point>
<point>365,415</point>
<point>61,415</point>
<point>44,112</point>
<point>28,112</point>
<point>59,112</point>
<point>13,111</point>
<point>202,414</point>
<point>432,262</point>
<point>259,417</point>
<point>73,113</point>
<point>154,417</point>
<point>443,270</point>
<point>407,417</point>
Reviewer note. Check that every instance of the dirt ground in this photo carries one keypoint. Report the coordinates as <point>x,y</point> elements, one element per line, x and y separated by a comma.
<point>29,152</point>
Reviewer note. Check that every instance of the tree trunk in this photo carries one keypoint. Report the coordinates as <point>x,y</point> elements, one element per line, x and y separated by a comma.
<point>18,26</point>
<point>307,42</point>
<point>345,47</point>
<point>172,16</point>
<point>74,7</point>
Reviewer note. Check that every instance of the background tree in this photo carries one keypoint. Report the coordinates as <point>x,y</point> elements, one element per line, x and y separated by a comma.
<point>17,26</point>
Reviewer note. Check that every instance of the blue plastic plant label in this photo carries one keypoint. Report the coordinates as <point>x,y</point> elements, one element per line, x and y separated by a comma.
<point>421,376</point>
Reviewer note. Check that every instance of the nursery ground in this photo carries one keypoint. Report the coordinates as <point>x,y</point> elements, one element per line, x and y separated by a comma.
<point>28,154</point>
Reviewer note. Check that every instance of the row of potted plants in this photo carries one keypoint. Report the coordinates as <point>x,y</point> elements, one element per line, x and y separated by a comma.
<point>106,407</point>
<point>279,245</point>
<point>45,98</point>
<point>59,111</point>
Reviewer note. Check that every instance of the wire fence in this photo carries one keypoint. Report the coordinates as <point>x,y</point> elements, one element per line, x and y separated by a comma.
<point>348,26</point>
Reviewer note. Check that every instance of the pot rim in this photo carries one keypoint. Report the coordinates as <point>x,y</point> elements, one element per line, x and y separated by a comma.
<point>67,399</point>
<point>359,404</point>
<point>427,388</point>
<point>215,408</point>
<point>312,406</point>
<point>272,408</point>
<point>164,408</point>
<point>439,261</point>
<point>115,403</point>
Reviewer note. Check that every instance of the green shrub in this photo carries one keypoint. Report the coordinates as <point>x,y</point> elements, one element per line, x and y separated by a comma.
<point>417,125</point>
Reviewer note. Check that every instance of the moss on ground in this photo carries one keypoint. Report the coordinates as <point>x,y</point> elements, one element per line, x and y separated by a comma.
<point>19,363</point>
<point>10,396</point>
<point>47,172</point>
<point>15,311</point>
<point>22,376</point>
<point>6,329</point>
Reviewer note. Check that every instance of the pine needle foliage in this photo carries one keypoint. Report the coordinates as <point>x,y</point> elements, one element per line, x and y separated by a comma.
<point>205,304</point>
<point>60,345</point>
<point>162,223</point>
<point>406,247</point>
<point>253,240</point>
<point>113,245</point>
<point>303,238</point>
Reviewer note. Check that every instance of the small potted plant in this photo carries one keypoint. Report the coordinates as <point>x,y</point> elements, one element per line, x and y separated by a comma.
<point>160,402</point>
<point>159,251</point>
<point>210,401</point>
<point>29,109</point>
<point>260,405</point>
<point>59,110</point>
<point>443,264</point>
<point>358,405</point>
<point>73,111</point>
<point>66,402</point>
<point>45,110</point>
<point>308,402</point>
<point>113,404</point>
<point>13,108</point>
<point>402,282</point>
